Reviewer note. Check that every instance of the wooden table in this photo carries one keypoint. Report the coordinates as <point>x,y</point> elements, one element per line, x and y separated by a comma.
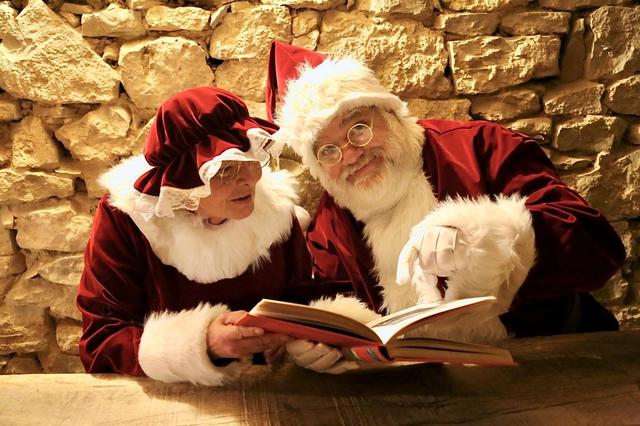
<point>562,380</point>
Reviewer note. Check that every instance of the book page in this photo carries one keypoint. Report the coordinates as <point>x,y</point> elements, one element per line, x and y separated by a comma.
<point>390,326</point>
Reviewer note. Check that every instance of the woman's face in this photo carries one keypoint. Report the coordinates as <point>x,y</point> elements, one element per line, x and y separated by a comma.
<point>233,191</point>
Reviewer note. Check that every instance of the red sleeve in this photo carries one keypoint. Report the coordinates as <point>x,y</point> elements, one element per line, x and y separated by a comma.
<point>111,297</point>
<point>577,250</point>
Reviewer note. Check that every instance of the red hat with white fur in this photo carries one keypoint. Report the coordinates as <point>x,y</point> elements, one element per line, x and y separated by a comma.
<point>193,133</point>
<point>314,88</point>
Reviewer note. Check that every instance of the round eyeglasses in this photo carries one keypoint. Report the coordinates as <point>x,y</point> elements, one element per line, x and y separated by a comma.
<point>230,170</point>
<point>360,134</point>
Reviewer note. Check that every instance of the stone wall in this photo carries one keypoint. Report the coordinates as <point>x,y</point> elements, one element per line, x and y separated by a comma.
<point>80,82</point>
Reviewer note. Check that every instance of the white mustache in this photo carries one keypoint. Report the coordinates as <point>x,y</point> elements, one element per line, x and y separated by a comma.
<point>362,161</point>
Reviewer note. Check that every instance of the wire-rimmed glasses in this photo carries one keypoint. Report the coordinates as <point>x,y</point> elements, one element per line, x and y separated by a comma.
<point>229,170</point>
<point>359,135</point>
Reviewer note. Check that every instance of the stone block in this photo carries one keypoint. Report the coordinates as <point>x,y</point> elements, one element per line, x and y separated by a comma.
<point>53,360</point>
<point>26,73</point>
<point>217,16</point>
<point>535,22</point>
<point>305,4</point>
<point>538,128</point>
<point>633,134</point>
<point>23,364</point>
<point>143,4</point>
<point>154,70</point>
<point>487,64</point>
<point>33,146</point>
<point>76,9</point>
<point>246,77</point>
<point>19,186</point>
<point>68,333</point>
<point>506,104</point>
<point>11,264</point>
<point>236,37</point>
<point>571,5</point>
<point>10,109</point>
<point>466,23</point>
<point>613,53</point>
<point>305,22</point>
<point>99,135</point>
<point>591,133</point>
<point>163,18</point>
<point>450,109</point>
<point>23,330</point>
<point>410,7</point>
<point>623,96</point>
<point>579,97</point>
<point>574,53</point>
<point>483,5</point>
<point>7,242</point>
<point>408,58</point>
<point>616,172</point>
<point>55,225</point>
<point>571,162</point>
<point>114,21</point>
<point>64,269</point>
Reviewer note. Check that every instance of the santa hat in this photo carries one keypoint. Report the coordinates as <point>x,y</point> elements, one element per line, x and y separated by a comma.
<point>314,88</point>
<point>193,133</point>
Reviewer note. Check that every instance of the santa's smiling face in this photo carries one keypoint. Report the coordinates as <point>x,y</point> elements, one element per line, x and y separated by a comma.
<point>353,148</point>
<point>370,177</point>
<point>233,191</point>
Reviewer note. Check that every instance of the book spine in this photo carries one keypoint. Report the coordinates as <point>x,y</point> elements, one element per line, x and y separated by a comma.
<point>373,353</point>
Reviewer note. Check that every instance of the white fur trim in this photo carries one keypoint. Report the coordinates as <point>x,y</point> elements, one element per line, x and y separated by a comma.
<point>203,253</point>
<point>173,348</point>
<point>501,250</point>
<point>320,93</point>
<point>500,245</point>
<point>304,218</point>
<point>348,306</point>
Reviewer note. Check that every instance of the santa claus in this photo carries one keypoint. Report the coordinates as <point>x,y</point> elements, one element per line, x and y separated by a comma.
<point>423,210</point>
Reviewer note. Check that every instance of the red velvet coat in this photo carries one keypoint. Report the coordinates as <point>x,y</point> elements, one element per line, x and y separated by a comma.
<point>124,281</point>
<point>577,249</point>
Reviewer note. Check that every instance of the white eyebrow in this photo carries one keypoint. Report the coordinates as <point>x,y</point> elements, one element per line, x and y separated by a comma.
<point>348,116</point>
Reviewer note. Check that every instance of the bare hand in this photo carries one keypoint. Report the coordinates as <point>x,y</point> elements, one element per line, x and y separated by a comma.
<point>226,340</point>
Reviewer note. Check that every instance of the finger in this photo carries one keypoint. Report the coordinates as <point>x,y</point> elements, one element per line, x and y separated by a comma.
<point>311,356</point>
<point>233,316</point>
<point>428,245</point>
<point>444,251</point>
<point>406,260</point>
<point>299,346</point>
<point>238,332</point>
<point>326,361</point>
<point>343,366</point>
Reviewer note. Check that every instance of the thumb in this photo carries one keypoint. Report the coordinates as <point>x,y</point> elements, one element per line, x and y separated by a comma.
<point>406,260</point>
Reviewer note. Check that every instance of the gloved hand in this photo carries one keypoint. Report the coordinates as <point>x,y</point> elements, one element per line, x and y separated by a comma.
<point>435,250</point>
<point>319,357</point>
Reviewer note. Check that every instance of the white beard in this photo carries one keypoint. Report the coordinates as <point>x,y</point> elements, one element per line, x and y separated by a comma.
<point>390,206</point>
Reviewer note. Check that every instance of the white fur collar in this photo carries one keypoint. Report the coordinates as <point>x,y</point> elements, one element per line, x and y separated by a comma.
<point>203,253</point>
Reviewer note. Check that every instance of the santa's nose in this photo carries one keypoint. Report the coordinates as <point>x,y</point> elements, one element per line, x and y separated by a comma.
<point>351,154</point>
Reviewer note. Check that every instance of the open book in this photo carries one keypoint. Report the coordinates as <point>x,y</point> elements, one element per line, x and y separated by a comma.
<point>380,340</point>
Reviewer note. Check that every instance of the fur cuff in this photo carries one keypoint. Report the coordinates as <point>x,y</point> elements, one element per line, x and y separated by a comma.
<point>348,306</point>
<point>173,348</point>
<point>500,246</point>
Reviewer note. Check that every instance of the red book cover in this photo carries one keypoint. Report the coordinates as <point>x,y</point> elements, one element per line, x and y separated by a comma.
<point>300,331</point>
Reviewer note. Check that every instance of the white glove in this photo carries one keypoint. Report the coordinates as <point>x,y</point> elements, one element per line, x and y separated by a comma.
<point>436,250</point>
<point>319,357</point>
